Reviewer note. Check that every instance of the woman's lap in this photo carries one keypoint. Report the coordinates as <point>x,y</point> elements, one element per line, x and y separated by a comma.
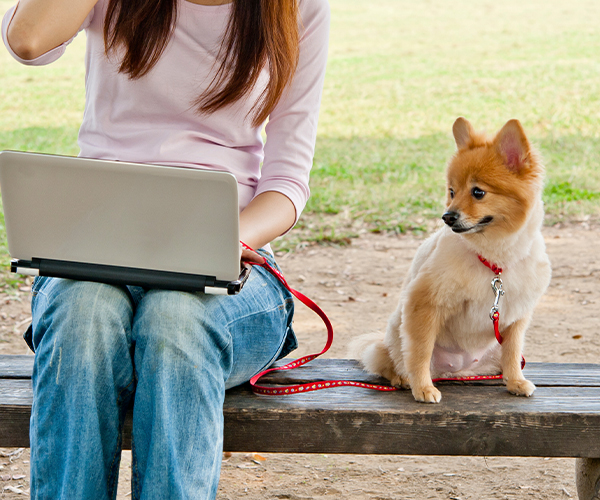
<point>174,352</point>
<point>251,329</point>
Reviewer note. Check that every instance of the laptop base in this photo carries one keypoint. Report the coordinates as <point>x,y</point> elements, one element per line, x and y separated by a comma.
<point>123,276</point>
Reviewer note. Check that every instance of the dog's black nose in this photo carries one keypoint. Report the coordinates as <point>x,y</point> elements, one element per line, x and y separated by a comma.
<point>450,218</point>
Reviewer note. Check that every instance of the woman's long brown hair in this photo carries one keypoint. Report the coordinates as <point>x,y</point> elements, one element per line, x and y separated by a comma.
<point>260,33</point>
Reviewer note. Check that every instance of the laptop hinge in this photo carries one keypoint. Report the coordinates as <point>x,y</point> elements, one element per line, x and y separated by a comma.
<point>26,267</point>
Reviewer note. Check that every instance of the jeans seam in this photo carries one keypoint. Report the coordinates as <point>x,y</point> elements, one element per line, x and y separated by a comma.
<point>111,482</point>
<point>120,439</point>
<point>42,323</point>
<point>135,488</point>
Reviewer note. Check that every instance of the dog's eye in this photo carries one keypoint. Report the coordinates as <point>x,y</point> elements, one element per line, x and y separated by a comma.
<point>477,193</point>
<point>451,193</point>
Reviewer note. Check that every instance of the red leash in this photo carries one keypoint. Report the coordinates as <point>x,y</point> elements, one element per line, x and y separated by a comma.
<point>314,386</point>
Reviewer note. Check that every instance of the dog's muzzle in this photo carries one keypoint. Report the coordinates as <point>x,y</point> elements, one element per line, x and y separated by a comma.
<point>450,218</point>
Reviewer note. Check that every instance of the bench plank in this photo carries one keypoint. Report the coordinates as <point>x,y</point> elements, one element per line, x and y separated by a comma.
<point>562,419</point>
<point>16,366</point>
<point>541,374</point>
<point>469,421</point>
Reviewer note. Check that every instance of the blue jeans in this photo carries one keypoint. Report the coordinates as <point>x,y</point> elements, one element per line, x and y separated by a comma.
<point>100,347</point>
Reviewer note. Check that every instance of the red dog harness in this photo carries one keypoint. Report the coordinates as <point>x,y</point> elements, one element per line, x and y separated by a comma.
<point>314,386</point>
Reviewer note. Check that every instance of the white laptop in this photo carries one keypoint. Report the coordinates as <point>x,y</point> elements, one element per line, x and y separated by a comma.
<point>122,223</point>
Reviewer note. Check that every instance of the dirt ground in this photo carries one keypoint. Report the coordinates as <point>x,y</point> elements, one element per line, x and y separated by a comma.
<point>357,285</point>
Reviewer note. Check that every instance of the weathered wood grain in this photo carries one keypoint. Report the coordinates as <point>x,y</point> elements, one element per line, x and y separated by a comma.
<point>469,421</point>
<point>15,366</point>
<point>561,419</point>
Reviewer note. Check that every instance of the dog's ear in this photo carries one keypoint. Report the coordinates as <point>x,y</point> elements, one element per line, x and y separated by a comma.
<point>513,146</point>
<point>463,133</point>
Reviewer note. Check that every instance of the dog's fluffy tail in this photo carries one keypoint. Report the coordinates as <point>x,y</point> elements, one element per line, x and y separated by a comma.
<point>373,354</point>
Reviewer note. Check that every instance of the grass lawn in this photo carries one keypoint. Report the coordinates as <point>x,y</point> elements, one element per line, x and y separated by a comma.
<point>399,74</point>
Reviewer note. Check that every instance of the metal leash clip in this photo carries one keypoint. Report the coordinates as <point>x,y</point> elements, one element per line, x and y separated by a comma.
<point>498,292</point>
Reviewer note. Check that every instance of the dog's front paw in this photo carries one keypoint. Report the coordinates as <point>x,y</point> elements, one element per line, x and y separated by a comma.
<point>520,387</point>
<point>427,394</point>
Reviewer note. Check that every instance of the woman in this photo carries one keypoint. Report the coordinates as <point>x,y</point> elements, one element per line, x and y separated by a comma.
<point>176,82</point>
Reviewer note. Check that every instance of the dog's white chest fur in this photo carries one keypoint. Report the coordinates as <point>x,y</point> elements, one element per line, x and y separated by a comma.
<point>460,285</point>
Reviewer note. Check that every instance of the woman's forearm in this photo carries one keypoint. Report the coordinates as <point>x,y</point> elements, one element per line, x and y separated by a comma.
<point>268,216</point>
<point>41,25</point>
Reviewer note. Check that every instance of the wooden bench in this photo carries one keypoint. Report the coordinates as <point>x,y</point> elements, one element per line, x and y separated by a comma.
<point>562,419</point>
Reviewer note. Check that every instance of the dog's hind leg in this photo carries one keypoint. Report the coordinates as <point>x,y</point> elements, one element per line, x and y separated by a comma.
<point>376,359</point>
<point>374,355</point>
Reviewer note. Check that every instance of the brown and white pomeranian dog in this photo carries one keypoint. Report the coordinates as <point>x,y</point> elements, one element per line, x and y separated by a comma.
<point>442,327</point>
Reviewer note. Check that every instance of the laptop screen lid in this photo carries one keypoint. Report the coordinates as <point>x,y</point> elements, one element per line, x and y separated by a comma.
<point>124,217</point>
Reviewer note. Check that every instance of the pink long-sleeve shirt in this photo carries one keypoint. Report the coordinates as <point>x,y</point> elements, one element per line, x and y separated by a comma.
<point>153,119</point>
